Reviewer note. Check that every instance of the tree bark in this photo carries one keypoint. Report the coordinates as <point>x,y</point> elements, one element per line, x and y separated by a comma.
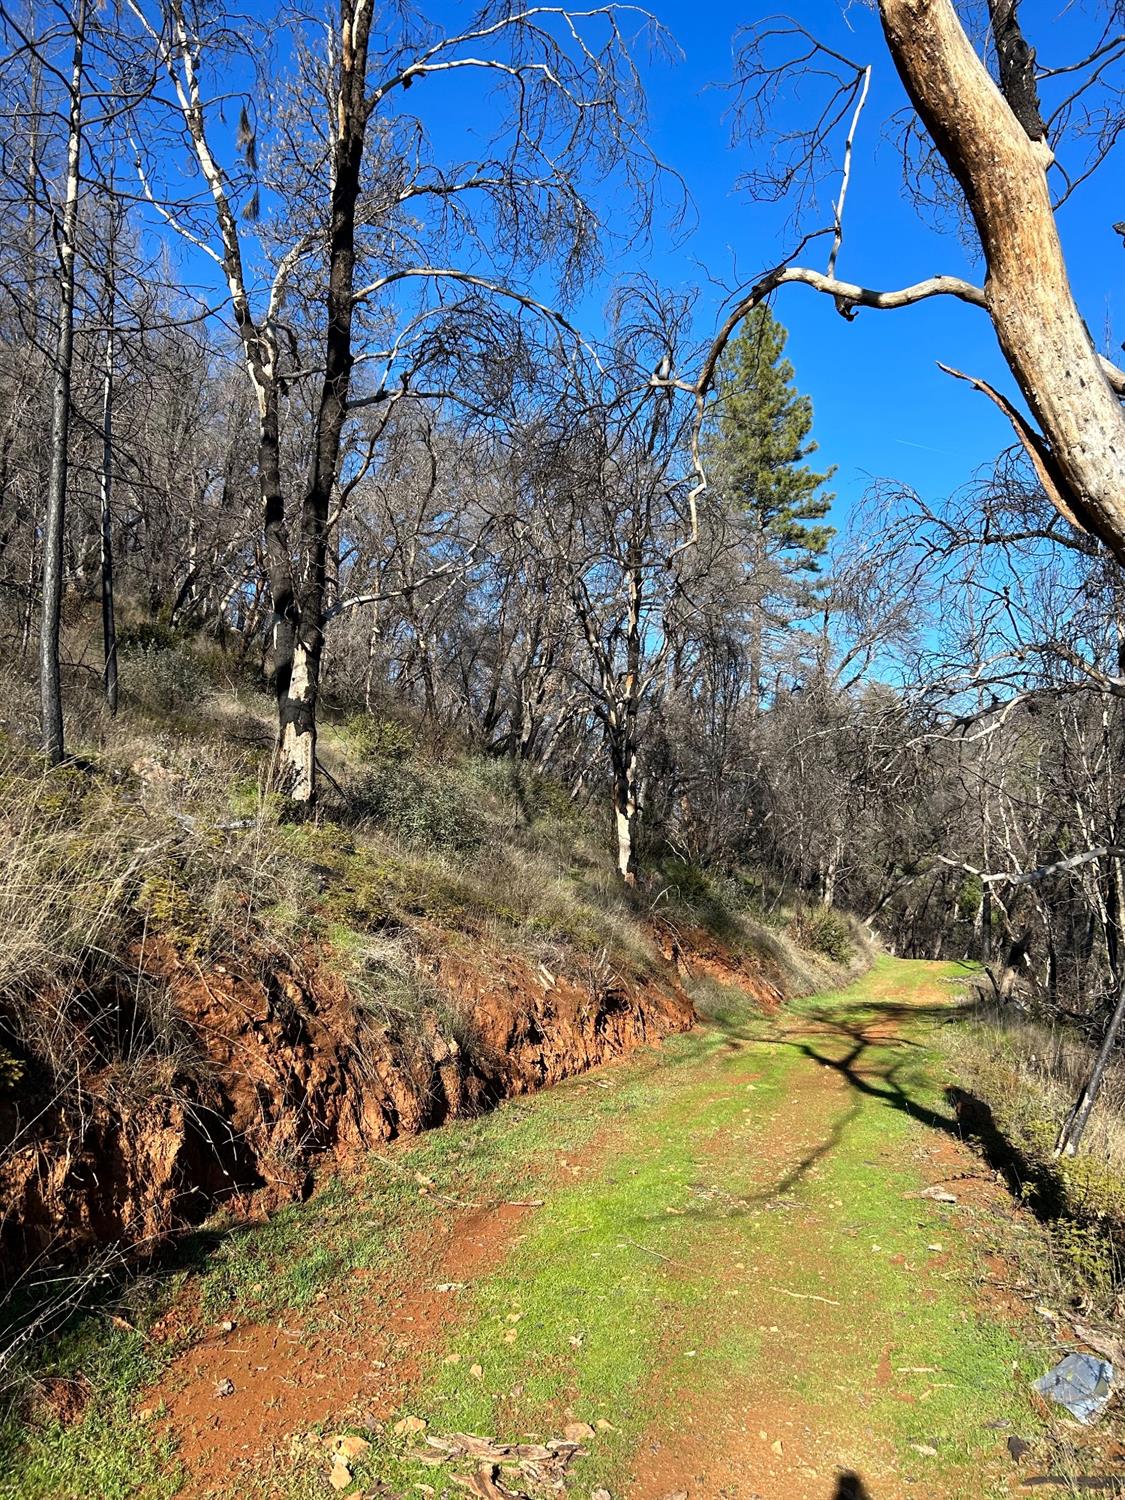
<point>1003,174</point>
<point>298,690</point>
<point>105,495</point>
<point>50,677</point>
<point>625,812</point>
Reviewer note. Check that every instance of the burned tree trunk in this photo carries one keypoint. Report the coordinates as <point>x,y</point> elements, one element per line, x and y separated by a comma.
<point>50,678</point>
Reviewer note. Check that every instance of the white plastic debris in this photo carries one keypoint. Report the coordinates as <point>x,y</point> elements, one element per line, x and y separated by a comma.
<point>1081,1383</point>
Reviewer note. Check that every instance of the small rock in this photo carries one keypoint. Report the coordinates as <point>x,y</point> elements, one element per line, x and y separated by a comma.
<point>408,1425</point>
<point>577,1432</point>
<point>224,1388</point>
<point>226,1326</point>
<point>347,1446</point>
<point>939,1194</point>
<point>925,1450</point>
<point>599,1495</point>
<point>777,1446</point>
<point>477,1372</point>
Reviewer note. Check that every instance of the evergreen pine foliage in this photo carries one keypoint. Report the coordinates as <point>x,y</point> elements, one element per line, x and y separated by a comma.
<point>758,444</point>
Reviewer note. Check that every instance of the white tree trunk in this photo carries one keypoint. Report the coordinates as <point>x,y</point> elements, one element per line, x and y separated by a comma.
<point>625,814</point>
<point>296,751</point>
<point>50,676</point>
<point>1003,173</point>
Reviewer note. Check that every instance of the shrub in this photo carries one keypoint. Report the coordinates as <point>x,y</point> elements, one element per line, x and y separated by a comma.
<point>421,805</point>
<point>165,679</point>
<point>146,635</point>
<point>371,738</point>
<point>823,930</point>
<point>524,789</point>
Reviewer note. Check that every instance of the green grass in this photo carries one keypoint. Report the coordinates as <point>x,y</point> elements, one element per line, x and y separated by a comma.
<point>685,1140</point>
<point>108,1453</point>
<point>651,1272</point>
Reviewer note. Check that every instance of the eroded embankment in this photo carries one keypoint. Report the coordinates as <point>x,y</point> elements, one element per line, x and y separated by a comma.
<point>283,1070</point>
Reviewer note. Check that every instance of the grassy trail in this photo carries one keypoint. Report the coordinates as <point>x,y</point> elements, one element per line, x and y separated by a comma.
<point>716,1255</point>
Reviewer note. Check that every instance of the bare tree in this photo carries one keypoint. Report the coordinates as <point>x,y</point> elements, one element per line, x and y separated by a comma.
<point>991,137</point>
<point>50,680</point>
<point>569,99</point>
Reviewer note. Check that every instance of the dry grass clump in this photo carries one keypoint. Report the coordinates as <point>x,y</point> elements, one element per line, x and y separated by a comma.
<point>1028,1073</point>
<point>1049,1063</point>
<point>96,863</point>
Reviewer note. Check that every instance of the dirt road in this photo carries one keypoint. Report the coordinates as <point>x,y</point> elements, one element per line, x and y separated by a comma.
<point>757,1263</point>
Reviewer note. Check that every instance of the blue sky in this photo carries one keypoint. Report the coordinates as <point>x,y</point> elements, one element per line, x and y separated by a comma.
<point>883,409</point>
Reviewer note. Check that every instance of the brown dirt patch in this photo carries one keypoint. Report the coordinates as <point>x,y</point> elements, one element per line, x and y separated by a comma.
<point>287,1376</point>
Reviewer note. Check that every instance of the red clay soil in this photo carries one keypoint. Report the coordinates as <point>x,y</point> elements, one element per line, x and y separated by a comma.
<point>288,1074</point>
<point>696,952</point>
<point>285,1377</point>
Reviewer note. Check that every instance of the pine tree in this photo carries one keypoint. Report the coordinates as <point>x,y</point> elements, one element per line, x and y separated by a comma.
<point>755,451</point>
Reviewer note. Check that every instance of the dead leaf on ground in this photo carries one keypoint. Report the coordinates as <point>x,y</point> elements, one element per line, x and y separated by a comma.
<point>477,1372</point>
<point>341,1475</point>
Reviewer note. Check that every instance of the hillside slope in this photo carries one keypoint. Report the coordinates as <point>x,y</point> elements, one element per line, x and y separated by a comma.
<point>201,1003</point>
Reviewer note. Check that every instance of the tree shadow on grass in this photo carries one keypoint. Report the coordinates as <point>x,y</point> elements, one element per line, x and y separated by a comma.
<point>859,1064</point>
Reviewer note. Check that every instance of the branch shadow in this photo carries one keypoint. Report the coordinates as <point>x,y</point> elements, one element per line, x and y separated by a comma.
<point>883,1080</point>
